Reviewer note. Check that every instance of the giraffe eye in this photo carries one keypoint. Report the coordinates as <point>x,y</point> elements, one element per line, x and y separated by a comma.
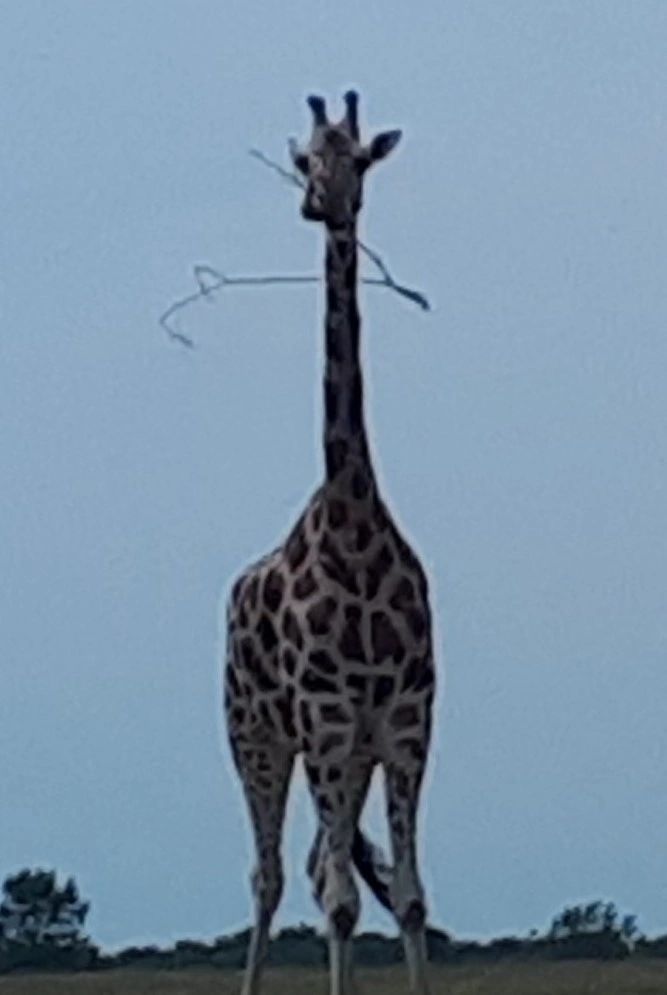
<point>301,163</point>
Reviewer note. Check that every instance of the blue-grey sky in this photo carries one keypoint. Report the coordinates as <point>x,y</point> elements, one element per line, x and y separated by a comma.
<point>519,430</point>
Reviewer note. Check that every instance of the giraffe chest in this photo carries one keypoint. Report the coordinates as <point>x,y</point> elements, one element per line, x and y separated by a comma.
<point>338,615</point>
<point>354,615</point>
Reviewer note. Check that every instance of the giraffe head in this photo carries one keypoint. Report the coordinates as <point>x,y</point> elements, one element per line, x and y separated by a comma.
<point>334,163</point>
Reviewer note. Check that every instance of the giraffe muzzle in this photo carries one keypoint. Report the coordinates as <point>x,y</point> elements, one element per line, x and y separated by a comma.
<point>312,213</point>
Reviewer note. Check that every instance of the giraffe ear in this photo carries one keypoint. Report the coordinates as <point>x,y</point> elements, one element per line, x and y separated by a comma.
<point>383,144</point>
<point>299,158</point>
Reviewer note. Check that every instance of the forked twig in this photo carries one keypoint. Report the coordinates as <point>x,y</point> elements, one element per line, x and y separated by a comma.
<point>389,282</point>
<point>287,174</point>
<point>210,280</point>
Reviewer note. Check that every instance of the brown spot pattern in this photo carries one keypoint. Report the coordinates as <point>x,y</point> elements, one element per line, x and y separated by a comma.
<point>314,683</point>
<point>364,536</point>
<point>320,614</point>
<point>304,585</point>
<point>334,713</point>
<point>296,548</point>
<point>291,629</point>
<point>404,717</point>
<point>330,742</point>
<point>418,674</point>
<point>306,720</point>
<point>321,660</point>
<point>274,588</point>
<point>357,683</point>
<point>336,568</point>
<point>289,661</point>
<point>378,569</point>
<point>385,639</point>
<point>403,595</point>
<point>384,687</point>
<point>336,513</point>
<point>351,645</point>
<point>267,633</point>
<point>285,708</point>
<point>417,622</point>
<point>253,592</point>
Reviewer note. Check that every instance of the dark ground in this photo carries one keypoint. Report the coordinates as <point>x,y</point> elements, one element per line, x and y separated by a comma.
<point>573,978</point>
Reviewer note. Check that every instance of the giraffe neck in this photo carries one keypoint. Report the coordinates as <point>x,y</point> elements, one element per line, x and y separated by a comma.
<point>346,450</point>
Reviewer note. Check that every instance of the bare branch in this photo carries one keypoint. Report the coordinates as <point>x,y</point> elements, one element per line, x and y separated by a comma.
<point>387,279</point>
<point>220,280</point>
<point>287,174</point>
<point>208,287</point>
<point>210,280</point>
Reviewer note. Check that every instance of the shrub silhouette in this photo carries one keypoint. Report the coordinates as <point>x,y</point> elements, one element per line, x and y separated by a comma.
<point>41,923</point>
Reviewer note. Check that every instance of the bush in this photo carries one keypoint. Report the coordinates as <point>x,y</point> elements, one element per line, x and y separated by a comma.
<point>41,924</point>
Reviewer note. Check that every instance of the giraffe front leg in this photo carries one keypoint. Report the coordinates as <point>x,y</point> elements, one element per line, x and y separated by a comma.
<point>403,781</point>
<point>404,763</point>
<point>265,774</point>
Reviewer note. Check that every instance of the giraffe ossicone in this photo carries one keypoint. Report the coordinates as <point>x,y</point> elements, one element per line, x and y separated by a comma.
<point>328,644</point>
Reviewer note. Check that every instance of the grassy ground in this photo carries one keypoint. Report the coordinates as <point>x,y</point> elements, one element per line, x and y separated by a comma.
<point>586,978</point>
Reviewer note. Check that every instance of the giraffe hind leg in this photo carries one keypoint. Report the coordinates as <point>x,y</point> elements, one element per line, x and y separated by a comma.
<point>329,865</point>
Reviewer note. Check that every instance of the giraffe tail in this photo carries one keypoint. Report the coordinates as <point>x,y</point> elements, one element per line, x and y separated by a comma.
<point>371,863</point>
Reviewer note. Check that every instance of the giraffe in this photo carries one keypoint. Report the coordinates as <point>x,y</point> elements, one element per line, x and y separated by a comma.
<point>328,637</point>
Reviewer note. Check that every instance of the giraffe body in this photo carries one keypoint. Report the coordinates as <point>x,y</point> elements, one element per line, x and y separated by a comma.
<point>329,650</point>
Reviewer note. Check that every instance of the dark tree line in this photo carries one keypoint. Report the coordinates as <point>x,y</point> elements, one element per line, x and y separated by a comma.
<point>42,928</point>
